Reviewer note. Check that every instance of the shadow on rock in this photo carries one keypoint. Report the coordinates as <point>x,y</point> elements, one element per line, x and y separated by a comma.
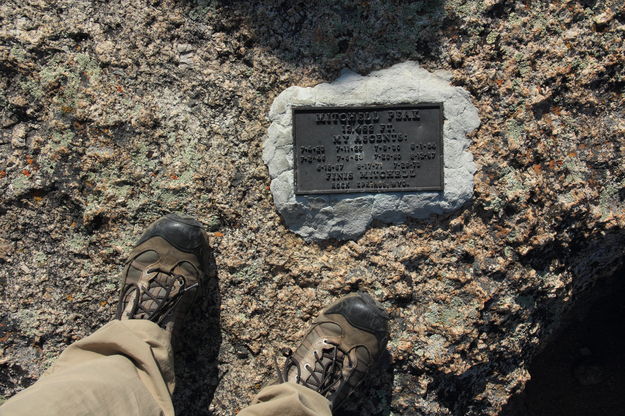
<point>375,398</point>
<point>361,35</point>
<point>582,369</point>
<point>196,350</point>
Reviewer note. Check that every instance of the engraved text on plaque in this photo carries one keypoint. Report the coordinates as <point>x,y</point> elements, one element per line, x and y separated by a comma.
<point>368,149</point>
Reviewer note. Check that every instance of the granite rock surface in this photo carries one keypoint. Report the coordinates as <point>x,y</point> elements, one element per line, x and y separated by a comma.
<point>114,113</point>
<point>343,216</point>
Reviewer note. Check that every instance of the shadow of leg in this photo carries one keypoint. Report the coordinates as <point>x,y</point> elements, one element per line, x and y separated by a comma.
<point>196,350</point>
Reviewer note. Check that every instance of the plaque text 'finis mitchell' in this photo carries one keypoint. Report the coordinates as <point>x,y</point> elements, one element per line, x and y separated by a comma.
<point>368,149</point>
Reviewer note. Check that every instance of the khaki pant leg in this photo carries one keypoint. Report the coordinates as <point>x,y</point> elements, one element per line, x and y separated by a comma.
<point>124,368</point>
<point>288,399</point>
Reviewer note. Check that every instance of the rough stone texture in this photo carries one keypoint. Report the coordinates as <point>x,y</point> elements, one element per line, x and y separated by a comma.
<point>113,113</point>
<point>346,216</point>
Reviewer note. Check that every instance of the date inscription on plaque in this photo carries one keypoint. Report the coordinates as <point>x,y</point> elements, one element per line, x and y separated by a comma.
<point>368,149</point>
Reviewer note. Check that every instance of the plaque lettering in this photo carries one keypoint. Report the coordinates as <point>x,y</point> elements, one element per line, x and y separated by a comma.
<point>368,149</point>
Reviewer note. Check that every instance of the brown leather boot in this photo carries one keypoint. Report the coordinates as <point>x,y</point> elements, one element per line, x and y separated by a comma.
<point>342,345</point>
<point>164,271</point>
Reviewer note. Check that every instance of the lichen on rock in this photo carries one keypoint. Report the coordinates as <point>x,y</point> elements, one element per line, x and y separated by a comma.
<point>114,113</point>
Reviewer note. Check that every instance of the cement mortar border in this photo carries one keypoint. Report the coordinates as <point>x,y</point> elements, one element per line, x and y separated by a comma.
<point>347,216</point>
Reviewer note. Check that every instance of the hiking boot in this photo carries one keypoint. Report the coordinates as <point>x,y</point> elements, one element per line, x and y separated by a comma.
<point>163,274</point>
<point>343,344</point>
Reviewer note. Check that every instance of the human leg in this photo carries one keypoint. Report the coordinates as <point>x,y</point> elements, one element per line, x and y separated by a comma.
<point>126,367</point>
<point>288,399</point>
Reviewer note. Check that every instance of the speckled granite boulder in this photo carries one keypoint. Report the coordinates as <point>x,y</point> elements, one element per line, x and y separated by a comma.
<point>115,113</point>
<point>346,216</point>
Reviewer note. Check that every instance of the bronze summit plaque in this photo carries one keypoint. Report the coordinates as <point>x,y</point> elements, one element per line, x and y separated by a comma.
<point>368,149</point>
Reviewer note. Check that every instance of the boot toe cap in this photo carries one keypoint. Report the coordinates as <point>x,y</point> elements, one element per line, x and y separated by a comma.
<point>362,312</point>
<point>184,233</point>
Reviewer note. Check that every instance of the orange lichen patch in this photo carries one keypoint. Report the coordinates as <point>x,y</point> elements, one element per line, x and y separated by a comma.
<point>29,160</point>
<point>69,298</point>
<point>119,88</point>
<point>554,163</point>
<point>218,234</point>
<point>174,177</point>
<point>499,82</point>
<point>405,346</point>
<point>3,173</point>
<point>26,172</point>
<point>38,198</point>
<point>537,169</point>
<point>572,154</point>
<point>103,303</point>
<point>502,232</point>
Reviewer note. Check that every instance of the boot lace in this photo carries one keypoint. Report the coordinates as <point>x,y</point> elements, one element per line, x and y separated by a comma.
<point>153,303</point>
<point>325,376</point>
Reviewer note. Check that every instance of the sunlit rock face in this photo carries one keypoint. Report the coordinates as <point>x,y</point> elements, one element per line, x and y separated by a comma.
<point>113,113</point>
